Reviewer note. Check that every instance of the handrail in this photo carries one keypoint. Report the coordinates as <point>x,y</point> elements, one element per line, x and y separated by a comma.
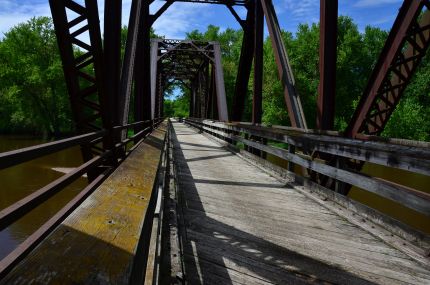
<point>7,263</point>
<point>409,158</point>
<point>18,209</point>
<point>14,157</point>
<point>151,162</point>
<point>28,203</point>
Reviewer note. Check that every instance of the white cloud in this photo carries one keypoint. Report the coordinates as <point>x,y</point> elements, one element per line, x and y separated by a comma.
<point>373,3</point>
<point>299,9</point>
<point>174,23</point>
<point>15,12</point>
<point>181,18</point>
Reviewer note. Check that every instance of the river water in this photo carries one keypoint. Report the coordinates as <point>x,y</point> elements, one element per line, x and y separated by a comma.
<point>19,181</point>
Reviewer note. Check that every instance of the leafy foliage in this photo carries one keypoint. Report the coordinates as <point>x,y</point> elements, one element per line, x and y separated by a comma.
<point>33,97</point>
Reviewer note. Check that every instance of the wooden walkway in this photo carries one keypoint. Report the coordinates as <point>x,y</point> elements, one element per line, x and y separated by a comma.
<point>243,226</point>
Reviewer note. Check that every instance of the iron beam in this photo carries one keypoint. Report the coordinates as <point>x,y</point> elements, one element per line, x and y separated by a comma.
<point>128,71</point>
<point>406,45</point>
<point>292,99</point>
<point>245,64</point>
<point>220,87</point>
<point>112,55</point>
<point>257,107</point>
<point>327,64</point>
<point>143,68</point>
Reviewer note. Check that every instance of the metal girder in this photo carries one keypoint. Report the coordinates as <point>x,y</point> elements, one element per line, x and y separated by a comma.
<point>83,68</point>
<point>245,64</point>
<point>219,83</point>
<point>127,72</point>
<point>154,78</point>
<point>142,76</point>
<point>191,61</point>
<point>406,45</point>
<point>257,107</point>
<point>292,99</point>
<point>327,64</point>
<point>112,55</point>
<point>221,2</point>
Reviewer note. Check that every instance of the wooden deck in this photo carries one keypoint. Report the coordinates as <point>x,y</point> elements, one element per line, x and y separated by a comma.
<point>243,226</point>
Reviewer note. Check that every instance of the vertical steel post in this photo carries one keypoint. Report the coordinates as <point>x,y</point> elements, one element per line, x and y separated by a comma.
<point>245,64</point>
<point>154,74</point>
<point>327,64</point>
<point>258,65</point>
<point>112,54</point>
<point>220,87</point>
<point>142,99</point>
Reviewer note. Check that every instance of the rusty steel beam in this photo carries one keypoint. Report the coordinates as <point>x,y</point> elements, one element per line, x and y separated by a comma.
<point>292,99</point>
<point>154,74</point>
<point>112,54</point>
<point>257,102</point>
<point>245,64</point>
<point>220,87</point>
<point>142,76</point>
<point>327,64</point>
<point>406,45</point>
<point>220,2</point>
<point>128,69</point>
<point>84,70</point>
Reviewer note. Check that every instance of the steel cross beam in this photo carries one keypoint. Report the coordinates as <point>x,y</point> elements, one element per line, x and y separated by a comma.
<point>292,99</point>
<point>83,68</point>
<point>191,61</point>
<point>221,2</point>
<point>245,64</point>
<point>406,45</point>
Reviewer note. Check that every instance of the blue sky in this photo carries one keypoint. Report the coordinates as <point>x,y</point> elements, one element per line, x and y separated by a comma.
<point>183,17</point>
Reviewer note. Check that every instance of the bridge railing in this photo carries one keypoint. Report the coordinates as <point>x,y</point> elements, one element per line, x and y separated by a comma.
<point>14,212</point>
<point>396,154</point>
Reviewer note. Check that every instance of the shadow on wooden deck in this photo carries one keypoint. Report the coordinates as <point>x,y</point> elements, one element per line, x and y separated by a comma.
<point>217,253</point>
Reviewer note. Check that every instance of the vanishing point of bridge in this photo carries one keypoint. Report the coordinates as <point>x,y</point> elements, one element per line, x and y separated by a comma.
<point>209,199</point>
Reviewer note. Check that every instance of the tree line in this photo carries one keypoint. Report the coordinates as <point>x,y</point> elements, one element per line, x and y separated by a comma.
<point>33,95</point>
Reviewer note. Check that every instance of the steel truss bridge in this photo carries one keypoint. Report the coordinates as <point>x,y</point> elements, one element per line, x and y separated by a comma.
<point>196,200</point>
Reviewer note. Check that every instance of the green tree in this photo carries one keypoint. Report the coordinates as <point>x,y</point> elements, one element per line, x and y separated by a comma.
<point>32,87</point>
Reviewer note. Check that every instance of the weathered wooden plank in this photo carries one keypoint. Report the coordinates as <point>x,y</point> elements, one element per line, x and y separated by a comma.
<point>212,273</point>
<point>415,159</point>
<point>299,237</point>
<point>101,242</point>
<point>274,263</point>
<point>270,273</point>
<point>407,197</point>
<point>367,216</point>
<point>366,265</point>
<point>236,227</point>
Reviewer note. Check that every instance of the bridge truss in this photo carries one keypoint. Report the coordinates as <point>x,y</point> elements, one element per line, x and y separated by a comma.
<point>102,87</point>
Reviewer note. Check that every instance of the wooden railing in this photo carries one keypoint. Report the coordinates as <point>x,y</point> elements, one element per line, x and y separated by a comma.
<point>17,210</point>
<point>396,154</point>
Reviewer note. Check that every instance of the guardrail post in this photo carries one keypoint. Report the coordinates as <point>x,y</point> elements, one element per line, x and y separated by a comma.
<point>292,150</point>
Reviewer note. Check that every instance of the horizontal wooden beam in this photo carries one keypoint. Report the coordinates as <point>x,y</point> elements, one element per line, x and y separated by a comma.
<point>410,158</point>
<point>416,200</point>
